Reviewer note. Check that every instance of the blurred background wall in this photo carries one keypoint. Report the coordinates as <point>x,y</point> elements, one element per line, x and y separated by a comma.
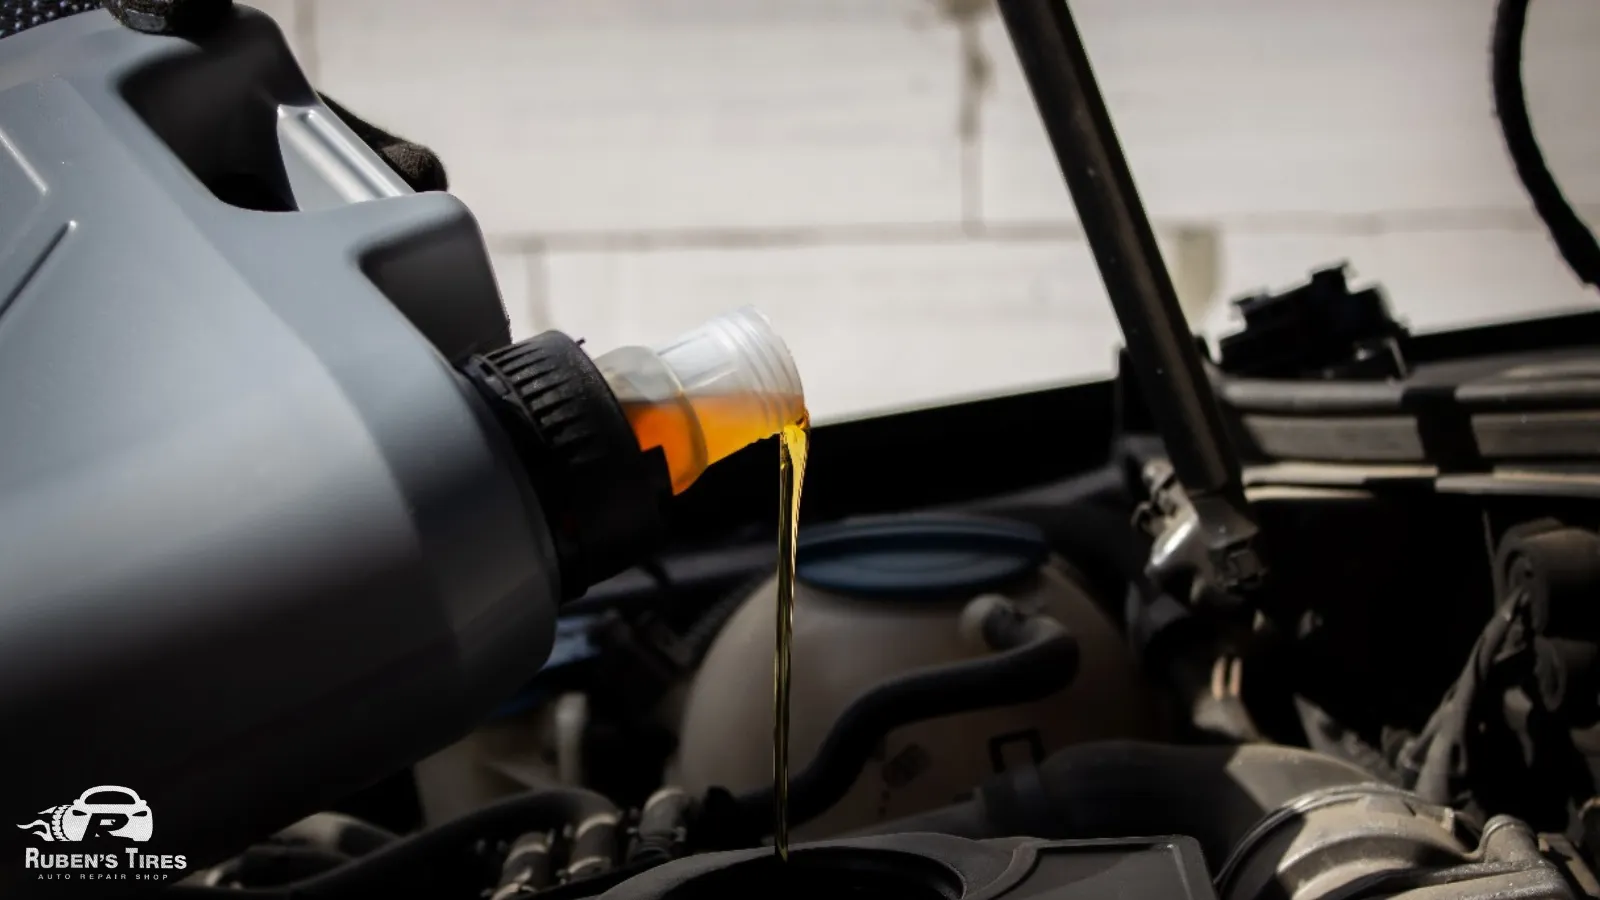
<point>871,173</point>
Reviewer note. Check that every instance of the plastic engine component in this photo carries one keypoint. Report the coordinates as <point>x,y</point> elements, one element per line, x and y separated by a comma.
<point>937,867</point>
<point>1320,329</point>
<point>259,539</point>
<point>928,558</point>
<point>886,600</point>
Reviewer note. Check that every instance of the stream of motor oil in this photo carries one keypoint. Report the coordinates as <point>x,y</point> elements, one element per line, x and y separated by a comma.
<point>723,426</point>
<point>794,442</point>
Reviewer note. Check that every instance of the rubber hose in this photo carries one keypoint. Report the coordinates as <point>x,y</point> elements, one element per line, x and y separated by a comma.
<point>1042,658</point>
<point>661,824</point>
<point>337,831</point>
<point>1572,237</point>
<point>423,863</point>
<point>1107,789</point>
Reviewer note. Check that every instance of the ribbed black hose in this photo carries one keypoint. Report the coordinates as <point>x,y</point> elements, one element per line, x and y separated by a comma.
<point>1572,237</point>
<point>438,861</point>
<point>1041,658</point>
<point>1130,789</point>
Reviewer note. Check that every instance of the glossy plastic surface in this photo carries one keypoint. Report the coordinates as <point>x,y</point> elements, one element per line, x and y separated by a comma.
<point>260,543</point>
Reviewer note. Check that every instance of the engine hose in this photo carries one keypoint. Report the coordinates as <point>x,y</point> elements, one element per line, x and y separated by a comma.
<point>1107,789</point>
<point>1037,658</point>
<point>1572,237</point>
<point>661,827</point>
<point>338,832</point>
<point>436,861</point>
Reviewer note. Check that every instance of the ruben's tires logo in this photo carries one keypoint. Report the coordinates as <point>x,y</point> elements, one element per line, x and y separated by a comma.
<point>107,811</point>
<point>101,818</point>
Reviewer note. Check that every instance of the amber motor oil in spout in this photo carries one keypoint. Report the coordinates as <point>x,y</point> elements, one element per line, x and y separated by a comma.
<point>711,428</point>
<point>794,444</point>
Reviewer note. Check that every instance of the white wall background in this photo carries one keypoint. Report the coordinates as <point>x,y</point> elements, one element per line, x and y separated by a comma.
<point>871,173</point>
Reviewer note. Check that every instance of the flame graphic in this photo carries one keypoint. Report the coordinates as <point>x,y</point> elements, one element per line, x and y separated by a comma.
<point>39,823</point>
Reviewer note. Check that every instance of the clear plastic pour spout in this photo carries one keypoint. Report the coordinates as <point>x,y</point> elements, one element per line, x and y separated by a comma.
<point>708,393</point>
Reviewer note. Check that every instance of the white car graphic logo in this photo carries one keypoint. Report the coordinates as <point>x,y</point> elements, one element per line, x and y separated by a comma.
<point>105,811</point>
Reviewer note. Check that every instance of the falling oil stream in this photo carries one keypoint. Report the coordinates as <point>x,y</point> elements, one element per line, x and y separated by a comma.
<point>794,442</point>
<point>693,430</point>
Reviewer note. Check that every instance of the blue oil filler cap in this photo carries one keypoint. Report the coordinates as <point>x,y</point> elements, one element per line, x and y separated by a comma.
<point>931,557</point>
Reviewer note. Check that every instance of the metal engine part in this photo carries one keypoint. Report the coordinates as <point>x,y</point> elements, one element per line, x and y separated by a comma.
<point>1361,841</point>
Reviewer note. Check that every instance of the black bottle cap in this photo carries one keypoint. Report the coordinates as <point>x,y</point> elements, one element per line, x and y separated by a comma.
<point>603,498</point>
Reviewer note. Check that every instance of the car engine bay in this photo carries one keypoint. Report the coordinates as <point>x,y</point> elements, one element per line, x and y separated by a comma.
<point>1310,614</point>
